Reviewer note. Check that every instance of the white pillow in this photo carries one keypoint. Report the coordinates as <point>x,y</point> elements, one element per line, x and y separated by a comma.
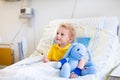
<point>111,24</point>
<point>85,27</point>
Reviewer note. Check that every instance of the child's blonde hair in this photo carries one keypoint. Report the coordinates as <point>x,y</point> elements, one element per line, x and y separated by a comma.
<point>70,27</point>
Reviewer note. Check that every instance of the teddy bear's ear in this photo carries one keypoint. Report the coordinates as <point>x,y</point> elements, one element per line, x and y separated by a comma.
<point>69,50</point>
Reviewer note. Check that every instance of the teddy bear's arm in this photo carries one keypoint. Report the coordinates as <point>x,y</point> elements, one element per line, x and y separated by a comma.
<point>77,71</point>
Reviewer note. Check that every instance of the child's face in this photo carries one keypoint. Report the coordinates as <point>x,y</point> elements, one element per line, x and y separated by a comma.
<point>63,37</point>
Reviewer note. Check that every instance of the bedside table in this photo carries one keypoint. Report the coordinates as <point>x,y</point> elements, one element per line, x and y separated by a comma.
<point>115,75</point>
<point>6,55</point>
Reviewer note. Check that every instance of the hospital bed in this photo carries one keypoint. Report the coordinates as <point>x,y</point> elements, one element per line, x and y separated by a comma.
<point>104,45</point>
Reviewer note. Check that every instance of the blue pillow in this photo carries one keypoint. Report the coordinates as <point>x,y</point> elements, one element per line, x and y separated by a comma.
<point>83,40</point>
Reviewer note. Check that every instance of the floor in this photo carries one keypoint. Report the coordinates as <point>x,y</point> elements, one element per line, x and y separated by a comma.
<point>1,66</point>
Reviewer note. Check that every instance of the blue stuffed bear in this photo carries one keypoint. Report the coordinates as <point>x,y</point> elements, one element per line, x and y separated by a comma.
<point>69,63</point>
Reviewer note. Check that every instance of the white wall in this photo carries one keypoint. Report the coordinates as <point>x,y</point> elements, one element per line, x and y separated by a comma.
<point>97,8</point>
<point>12,29</point>
<point>45,11</point>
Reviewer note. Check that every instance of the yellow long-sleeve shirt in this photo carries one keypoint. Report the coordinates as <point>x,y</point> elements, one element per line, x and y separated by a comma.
<point>56,53</point>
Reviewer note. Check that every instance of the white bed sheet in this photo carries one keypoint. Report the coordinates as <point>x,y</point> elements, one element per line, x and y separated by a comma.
<point>34,69</point>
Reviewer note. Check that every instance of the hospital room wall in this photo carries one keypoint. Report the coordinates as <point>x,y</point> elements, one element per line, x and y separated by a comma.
<point>47,10</point>
<point>13,29</point>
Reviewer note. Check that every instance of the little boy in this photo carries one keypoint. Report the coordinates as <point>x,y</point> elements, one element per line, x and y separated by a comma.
<point>64,36</point>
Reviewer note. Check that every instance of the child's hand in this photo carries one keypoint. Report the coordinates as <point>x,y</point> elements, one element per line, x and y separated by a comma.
<point>45,59</point>
<point>73,75</point>
<point>76,72</point>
